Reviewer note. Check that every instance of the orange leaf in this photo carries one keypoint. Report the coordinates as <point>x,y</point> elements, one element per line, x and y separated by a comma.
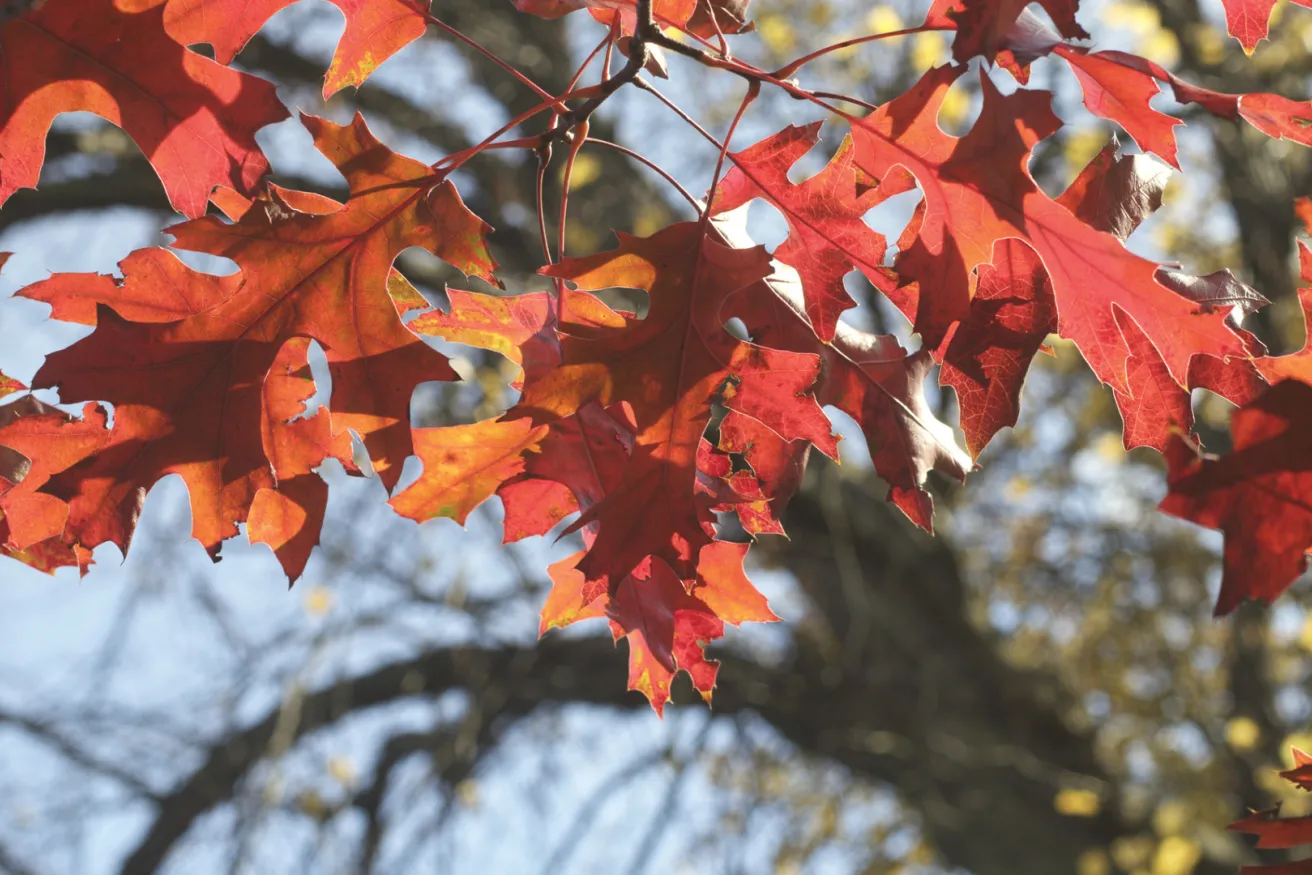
<point>187,393</point>
<point>375,30</point>
<point>464,465</point>
<point>194,119</point>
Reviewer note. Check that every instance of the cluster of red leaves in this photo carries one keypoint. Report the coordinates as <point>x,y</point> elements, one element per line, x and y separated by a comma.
<point>646,428</point>
<point>1276,832</point>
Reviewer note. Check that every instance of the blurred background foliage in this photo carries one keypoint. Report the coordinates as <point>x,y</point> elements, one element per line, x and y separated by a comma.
<point>1040,689</point>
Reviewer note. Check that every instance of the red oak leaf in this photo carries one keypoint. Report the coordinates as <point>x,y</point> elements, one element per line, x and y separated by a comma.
<point>1247,20</point>
<point>669,367</point>
<point>1301,774</point>
<point>1274,831</point>
<point>464,465</point>
<point>667,13</point>
<point>1303,209</point>
<point>875,381</point>
<point>1297,365</point>
<point>8,386</point>
<point>736,491</point>
<point>375,30</point>
<point>195,120</point>
<point>566,603</point>
<point>719,17</point>
<point>988,355</point>
<point>52,442</point>
<point>582,459</point>
<point>984,27</point>
<point>1120,94</point>
<point>36,442</point>
<point>777,466</point>
<point>1111,73</point>
<point>666,623</point>
<point>666,628</point>
<point>1115,193</point>
<point>583,454</point>
<point>978,190</point>
<point>187,392</point>
<point>289,516</point>
<point>828,237</point>
<point>1259,496</point>
<point>518,327</point>
<point>1154,406</point>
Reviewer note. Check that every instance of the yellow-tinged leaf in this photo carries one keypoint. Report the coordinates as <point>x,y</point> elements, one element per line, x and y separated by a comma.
<point>464,465</point>
<point>565,602</point>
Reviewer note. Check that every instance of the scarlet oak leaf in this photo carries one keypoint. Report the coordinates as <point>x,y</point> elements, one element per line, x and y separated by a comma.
<point>52,441</point>
<point>1119,94</point>
<point>988,355</point>
<point>1303,209</point>
<point>1297,365</point>
<point>978,190</point>
<point>375,30</point>
<point>670,367</point>
<point>869,377</point>
<point>187,392</point>
<point>76,297</point>
<point>666,623</point>
<point>872,379</point>
<point>667,13</point>
<point>464,465</point>
<point>720,16</point>
<point>983,26</point>
<point>827,235</point>
<point>8,386</point>
<point>195,120</point>
<point>1115,193</point>
<point>1155,405</point>
<point>582,455</point>
<point>1274,831</point>
<point>289,515</point>
<point>582,458</point>
<point>1259,496</point>
<point>1301,774</point>
<point>777,466</point>
<point>518,327</point>
<point>565,603</point>
<point>1247,20</point>
<point>38,441</point>
<point>1120,73</point>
